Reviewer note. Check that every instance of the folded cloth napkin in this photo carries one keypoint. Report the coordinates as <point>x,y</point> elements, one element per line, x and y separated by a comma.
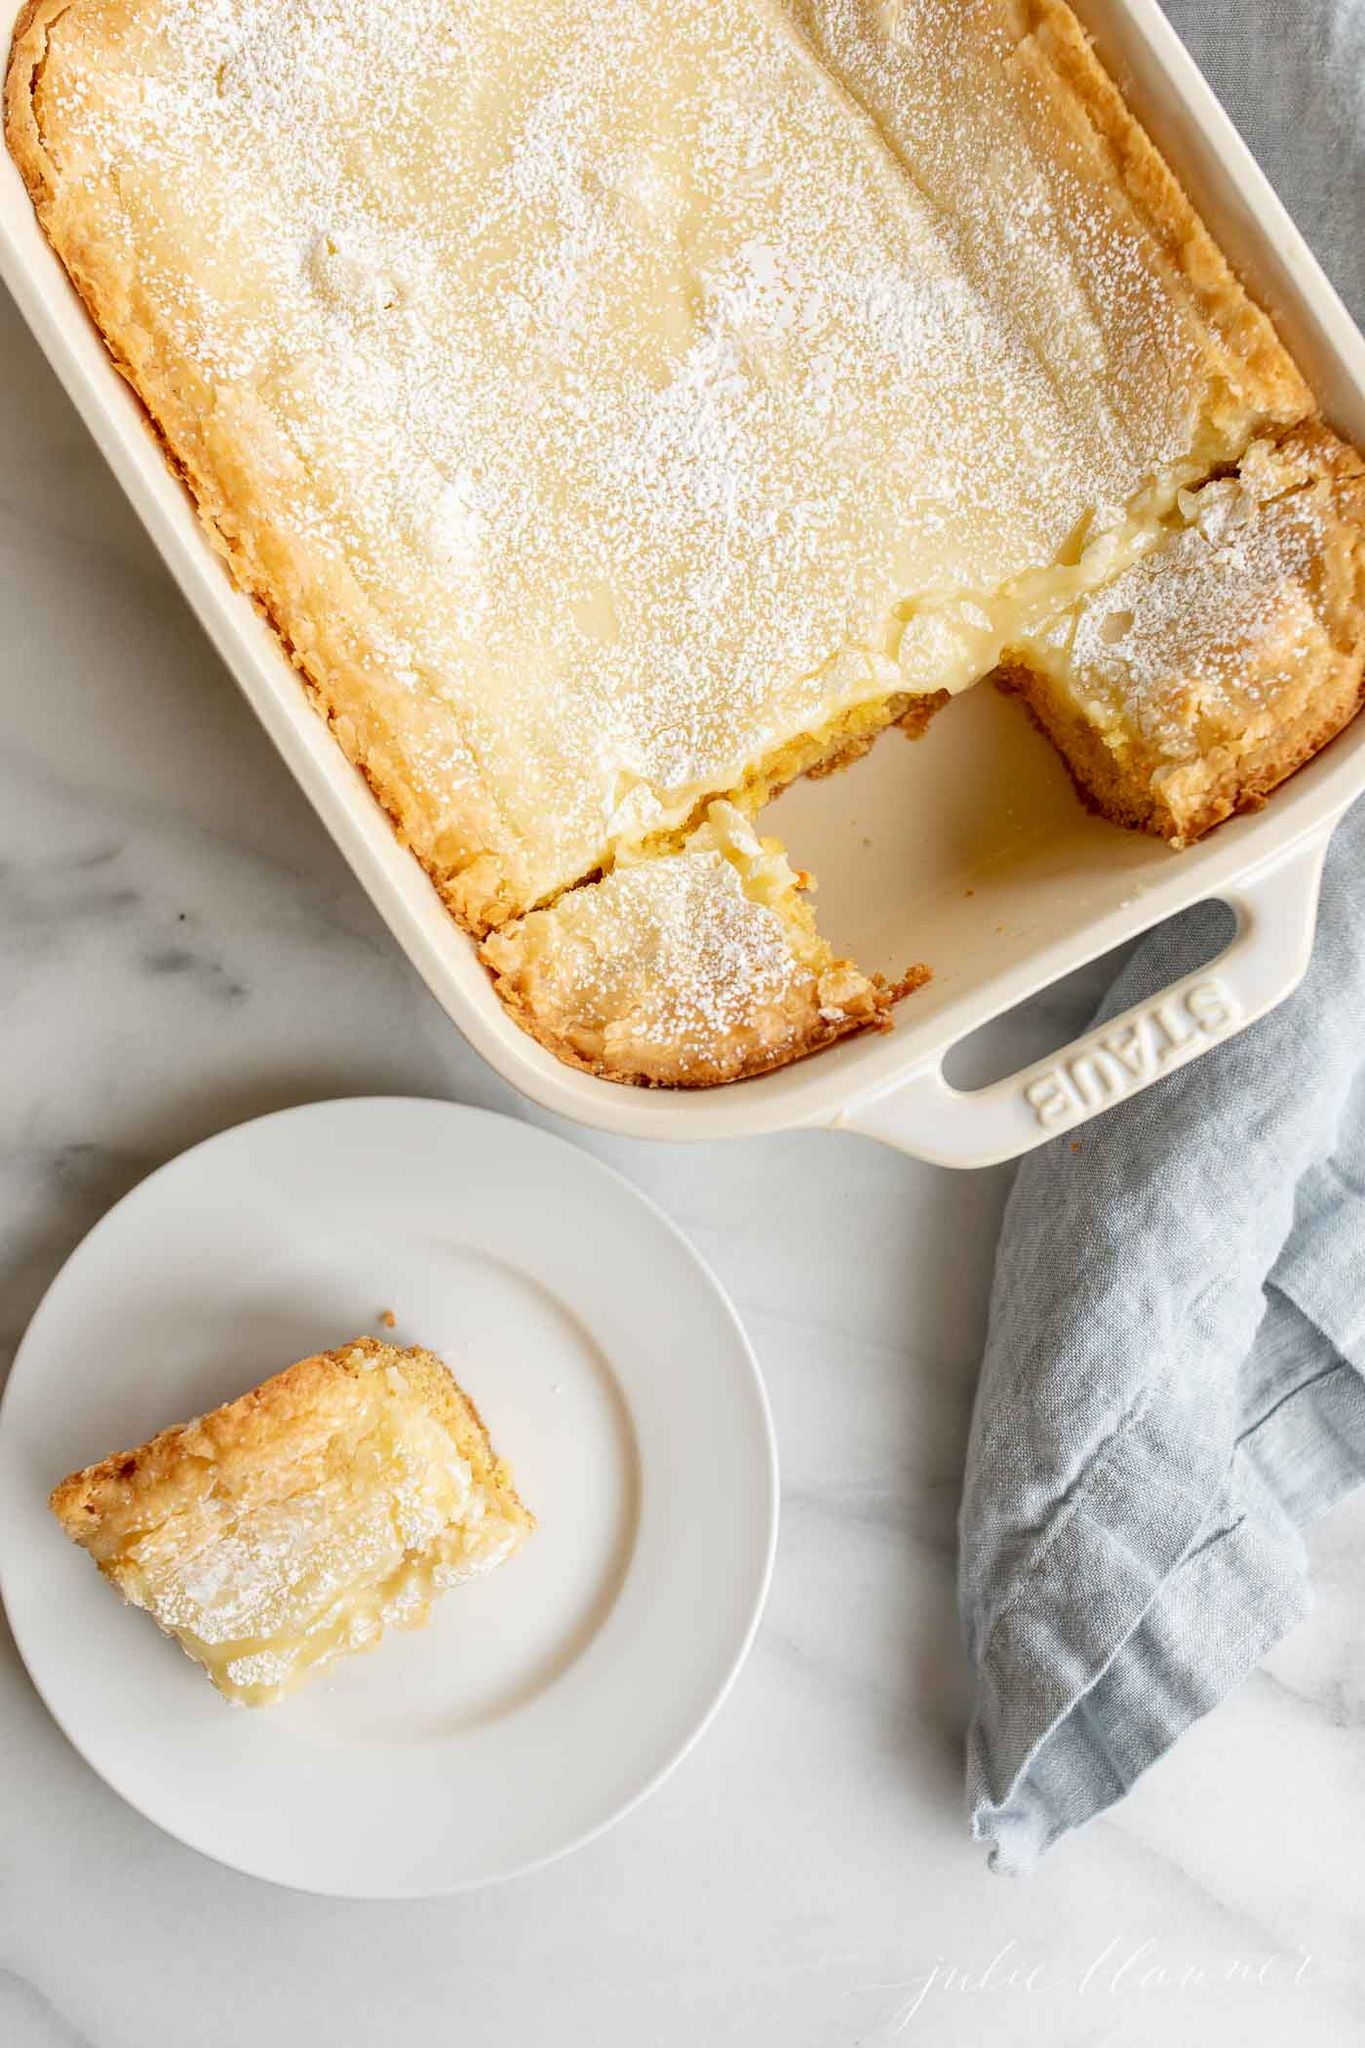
<point>1172,1382</point>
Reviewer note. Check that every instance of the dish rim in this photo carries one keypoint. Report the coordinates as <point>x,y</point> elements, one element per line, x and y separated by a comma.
<point>844,1084</point>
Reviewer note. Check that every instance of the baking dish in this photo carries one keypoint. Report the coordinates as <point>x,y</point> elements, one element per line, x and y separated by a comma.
<point>968,849</point>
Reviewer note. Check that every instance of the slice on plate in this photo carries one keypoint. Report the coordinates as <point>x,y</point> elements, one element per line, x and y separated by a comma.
<point>295,1524</point>
<point>686,969</point>
<point>1226,655</point>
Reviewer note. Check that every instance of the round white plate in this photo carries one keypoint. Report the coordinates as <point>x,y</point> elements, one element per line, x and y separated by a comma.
<point>613,1375</point>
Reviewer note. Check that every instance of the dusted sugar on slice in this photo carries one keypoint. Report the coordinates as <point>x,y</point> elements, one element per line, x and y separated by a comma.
<point>686,969</point>
<point>1226,656</point>
<point>297,1523</point>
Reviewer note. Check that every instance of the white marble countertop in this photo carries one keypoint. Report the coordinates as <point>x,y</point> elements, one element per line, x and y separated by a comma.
<point>181,948</point>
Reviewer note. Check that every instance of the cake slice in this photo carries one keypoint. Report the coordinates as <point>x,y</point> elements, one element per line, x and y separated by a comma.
<point>1226,655</point>
<point>688,968</point>
<point>295,1524</point>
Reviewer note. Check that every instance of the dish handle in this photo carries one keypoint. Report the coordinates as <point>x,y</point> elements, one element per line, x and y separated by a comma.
<point>1275,908</point>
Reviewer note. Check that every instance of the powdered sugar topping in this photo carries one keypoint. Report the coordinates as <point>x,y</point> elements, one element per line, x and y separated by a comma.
<point>617,373</point>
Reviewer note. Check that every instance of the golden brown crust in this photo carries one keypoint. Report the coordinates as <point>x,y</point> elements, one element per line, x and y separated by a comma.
<point>244,1448</point>
<point>27,45</point>
<point>688,970</point>
<point>1246,781</point>
<point>1269,380</point>
<point>1194,684</point>
<point>317,610</point>
<point>682,1070</point>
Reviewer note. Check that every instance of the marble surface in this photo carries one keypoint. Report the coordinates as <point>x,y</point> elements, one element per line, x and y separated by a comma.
<point>180,948</point>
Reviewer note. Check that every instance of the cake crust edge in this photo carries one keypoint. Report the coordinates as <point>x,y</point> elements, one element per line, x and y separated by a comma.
<point>187,1459</point>
<point>1123,777</point>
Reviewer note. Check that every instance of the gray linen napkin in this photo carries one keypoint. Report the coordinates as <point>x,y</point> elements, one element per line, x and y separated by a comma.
<point>1173,1378</point>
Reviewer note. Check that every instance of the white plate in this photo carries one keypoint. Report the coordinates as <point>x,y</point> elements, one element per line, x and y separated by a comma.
<point>613,1374</point>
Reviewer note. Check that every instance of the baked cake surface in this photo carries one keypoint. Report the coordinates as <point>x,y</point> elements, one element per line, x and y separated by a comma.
<point>295,1524</point>
<point>623,405</point>
<point>686,969</point>
<point>1226,655</point>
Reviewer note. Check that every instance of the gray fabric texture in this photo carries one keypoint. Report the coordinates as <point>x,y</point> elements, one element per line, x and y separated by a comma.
<point>1172,1382</point>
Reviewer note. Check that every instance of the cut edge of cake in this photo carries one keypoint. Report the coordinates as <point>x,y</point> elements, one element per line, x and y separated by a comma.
<point>1225,657</point>
<point>689,968</point>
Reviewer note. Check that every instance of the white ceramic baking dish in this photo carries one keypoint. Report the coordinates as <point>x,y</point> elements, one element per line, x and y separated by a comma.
<point>968,849</point>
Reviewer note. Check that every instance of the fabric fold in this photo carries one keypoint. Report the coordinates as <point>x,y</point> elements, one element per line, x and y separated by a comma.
<point>1171,1386</point>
